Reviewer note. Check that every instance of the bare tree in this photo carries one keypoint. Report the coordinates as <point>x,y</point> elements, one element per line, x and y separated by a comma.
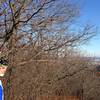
<point>34,15</point>
<point>35,30</point>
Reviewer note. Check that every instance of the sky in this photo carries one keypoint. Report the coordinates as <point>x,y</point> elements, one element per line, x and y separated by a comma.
<point>90,12</point>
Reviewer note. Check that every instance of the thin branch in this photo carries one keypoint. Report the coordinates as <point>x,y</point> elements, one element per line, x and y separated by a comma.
<point>17,13</point>
<point>39,9</point>
<point>71,74</point>
<point>11,10</point>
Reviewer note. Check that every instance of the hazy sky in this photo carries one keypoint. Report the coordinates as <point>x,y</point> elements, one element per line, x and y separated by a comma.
<point>91,13</point>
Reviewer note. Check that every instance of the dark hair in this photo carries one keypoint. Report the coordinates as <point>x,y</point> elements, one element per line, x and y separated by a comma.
<point>98,68</point>
<point>3,61</point>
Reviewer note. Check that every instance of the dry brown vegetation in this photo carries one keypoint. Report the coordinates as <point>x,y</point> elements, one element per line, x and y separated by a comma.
<point>58,98</point>
<point>69,75</point>
<point>37,40</point>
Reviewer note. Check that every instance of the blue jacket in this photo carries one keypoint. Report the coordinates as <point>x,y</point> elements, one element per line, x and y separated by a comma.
<point>1,91</point>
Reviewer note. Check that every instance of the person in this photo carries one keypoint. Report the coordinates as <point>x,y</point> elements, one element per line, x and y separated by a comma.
<point>1,91</point>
